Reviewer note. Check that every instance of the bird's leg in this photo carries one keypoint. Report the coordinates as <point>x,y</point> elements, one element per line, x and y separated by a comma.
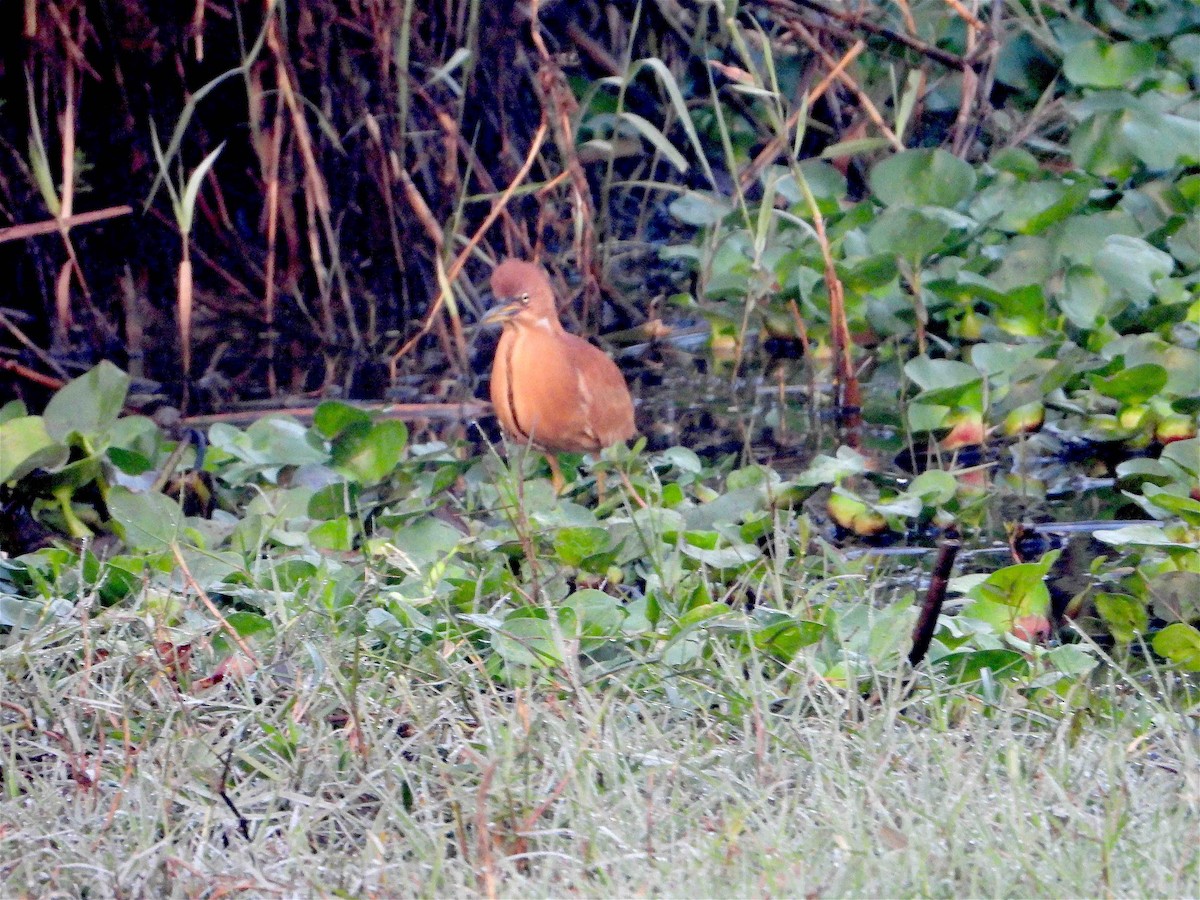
<point>556,475</point>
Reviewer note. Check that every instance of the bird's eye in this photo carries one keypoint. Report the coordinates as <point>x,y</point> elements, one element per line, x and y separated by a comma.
<point>523,298</point>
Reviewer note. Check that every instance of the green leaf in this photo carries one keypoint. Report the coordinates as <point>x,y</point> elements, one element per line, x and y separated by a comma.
<point>336,534</point>
<point>969,667</point>
<point>1132,267</point>
<point>1124,616</point>
<point>333,417</point>
<point>946,382</point>
<point>1176,596</point>
<point>573,545</point>
<point>699,208</point>
<point>1098,64</point>
<point>88,405</point>
<point>922,178</point>
<point>657,139</point>
<point>25,446</point>
<point>1131,386</point>
<point>369,455</point>
<point>150,521</point>
<point>1027,207</point>
<point>13,409</point>
<point>527,641</point>
<point>1071,659</point>
<point>934,486</point>
<point>334,500</point>
<point>591,616</point>
<point>1179,643</point>
<point>907,233</point>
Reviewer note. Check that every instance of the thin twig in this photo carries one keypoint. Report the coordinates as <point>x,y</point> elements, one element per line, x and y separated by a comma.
<point>212,607</point>
<point>461,260</point>
<point>49,226</point>
<point>779,143</point>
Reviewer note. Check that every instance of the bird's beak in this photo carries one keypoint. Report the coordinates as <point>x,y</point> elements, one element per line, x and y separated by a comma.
<point>501,312</point>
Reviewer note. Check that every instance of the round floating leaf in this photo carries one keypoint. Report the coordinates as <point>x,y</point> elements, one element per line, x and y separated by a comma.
<point>1027,207</point>
<point>699,209</point>
<point>149,521</point>
<point>592,616</point>
<point>25,445</point>
<point>574,545</point>
<point>1179,643</point>
<point>527,641</point>
<point>370,455</point>
<point>1098,64</point>
<point>1132,386</point>
<point>332,417</point>
<point>1176,596</point>
<point>1132,266</point>
<point>922,178</point>
<point>1125,616</point>
<point>907,233</point>
<point>89,405</point>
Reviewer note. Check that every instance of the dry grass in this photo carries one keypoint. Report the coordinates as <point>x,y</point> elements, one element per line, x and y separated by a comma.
<point>337,770</point>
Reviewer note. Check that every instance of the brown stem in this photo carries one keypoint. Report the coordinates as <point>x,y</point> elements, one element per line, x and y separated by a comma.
<point>935,596</point>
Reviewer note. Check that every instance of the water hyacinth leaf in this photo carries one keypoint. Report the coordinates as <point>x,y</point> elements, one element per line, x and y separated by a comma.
<point>922,178</point>
<point>926,417</point>
<point>832,469</point>
<point>527,641</point>
<point>1176,596</point>
<point>88,405</point>
<point>591,614</point>
<point>827,184</point>
<point>1012,593</point>
<point>336,534</point>
<point>934,487</point>
<point>1027,207</point>
<point>428,540</point>
<point>333,500</point>
<point>1099,64</point>
<point>1086,298</point>
<point>1185,455</point>
<point>1131,386</point>
<point>1131,266</point>
<point>13,409</point>
<point>998,359</point>
<point>1124,616</point>
<point>973,666</point>
<point>573,545</point>
<point>333,417</point>
<point>906,233</point>
<point>1071,659</point>
<point>946,382</point>
<point>1142,536</point>
<point>369,455</point>
<point>25,446</point>
<point>149,521</point>
<point>723,557</point>
<point>699,209</point>
<point>784,636</point>
<point>1174,503</point>
<point>1180,644</point>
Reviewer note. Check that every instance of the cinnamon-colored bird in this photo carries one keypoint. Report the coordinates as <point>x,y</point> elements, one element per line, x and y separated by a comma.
<point>551,389</point>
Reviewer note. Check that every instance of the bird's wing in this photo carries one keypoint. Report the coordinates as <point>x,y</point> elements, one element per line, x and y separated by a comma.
<point>607,404</point>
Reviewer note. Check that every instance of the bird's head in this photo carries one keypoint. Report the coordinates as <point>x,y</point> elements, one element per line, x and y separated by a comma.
<point>523,295</point>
